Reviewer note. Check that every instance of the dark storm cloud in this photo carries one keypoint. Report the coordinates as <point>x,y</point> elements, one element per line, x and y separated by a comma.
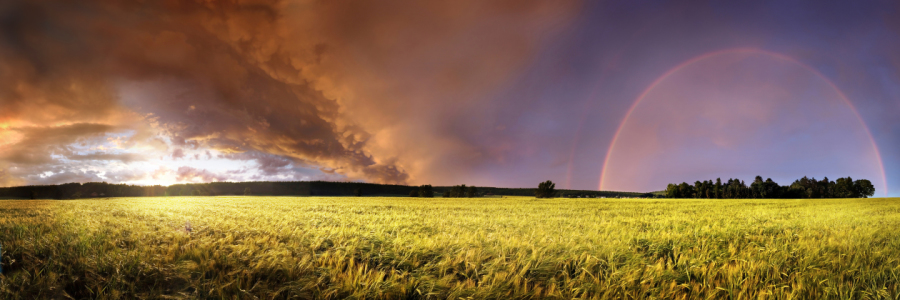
<point>331,83</point>
<point>49,71</point>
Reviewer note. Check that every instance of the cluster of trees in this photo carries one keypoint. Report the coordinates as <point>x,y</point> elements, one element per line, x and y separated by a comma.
<point>801,188</point>
<point>424,191</point>
<point>457,191</point>
<point>460,191</point>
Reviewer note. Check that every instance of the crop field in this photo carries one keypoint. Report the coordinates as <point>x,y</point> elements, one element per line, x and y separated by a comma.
<point>415,248</point>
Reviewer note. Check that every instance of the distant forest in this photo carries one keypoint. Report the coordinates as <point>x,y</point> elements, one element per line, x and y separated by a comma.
<point>801,188</point>
<point>295,188</point>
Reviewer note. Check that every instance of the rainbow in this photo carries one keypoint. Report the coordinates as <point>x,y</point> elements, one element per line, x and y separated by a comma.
<point>684,64</point>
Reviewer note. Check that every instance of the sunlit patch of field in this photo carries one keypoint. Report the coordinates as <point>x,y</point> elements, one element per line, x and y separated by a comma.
<point>389,248</point>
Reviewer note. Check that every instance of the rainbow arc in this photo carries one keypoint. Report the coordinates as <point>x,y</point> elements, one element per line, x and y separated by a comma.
<point>670,72</point>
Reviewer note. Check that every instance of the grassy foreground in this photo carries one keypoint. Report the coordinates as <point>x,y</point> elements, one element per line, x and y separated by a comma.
<point>390,248</point>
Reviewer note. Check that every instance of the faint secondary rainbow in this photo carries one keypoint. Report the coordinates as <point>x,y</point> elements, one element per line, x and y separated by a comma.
<point>686,63</point>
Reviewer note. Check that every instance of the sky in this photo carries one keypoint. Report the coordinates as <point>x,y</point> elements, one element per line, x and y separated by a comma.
<point>611,95</point>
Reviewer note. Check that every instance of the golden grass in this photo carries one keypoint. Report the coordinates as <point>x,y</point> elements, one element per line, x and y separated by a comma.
<point>389,248</point>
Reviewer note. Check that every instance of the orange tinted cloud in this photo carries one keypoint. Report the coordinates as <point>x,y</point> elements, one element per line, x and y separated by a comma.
<point>353,87</point>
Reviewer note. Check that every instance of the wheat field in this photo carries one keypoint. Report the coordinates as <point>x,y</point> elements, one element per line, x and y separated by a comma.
<point>414,248</point>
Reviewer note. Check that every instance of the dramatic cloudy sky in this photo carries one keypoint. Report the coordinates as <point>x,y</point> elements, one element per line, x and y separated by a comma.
<point>617,95</point>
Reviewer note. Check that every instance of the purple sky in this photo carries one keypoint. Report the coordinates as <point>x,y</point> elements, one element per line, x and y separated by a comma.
<point>506,93</point>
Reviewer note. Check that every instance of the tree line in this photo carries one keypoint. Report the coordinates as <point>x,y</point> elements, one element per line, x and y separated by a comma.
<point>283,188</point>
<point>256,188</point>
<point>457,191</point>
<point>759,188</point>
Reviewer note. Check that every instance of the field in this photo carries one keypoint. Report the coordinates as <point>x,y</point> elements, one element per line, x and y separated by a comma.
<point>412,248</point>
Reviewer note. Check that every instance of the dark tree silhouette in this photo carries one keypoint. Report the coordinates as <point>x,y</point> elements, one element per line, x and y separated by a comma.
<point>546,189</point>
<point>472,192</point>
<point>414,193</point>
<point>844,188</point>
<point>864,188</point>
<point>672,191</point>
<point>757,188</point>
<point>718,188</point>
<point>426,191</point>
<point>458,191</point>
